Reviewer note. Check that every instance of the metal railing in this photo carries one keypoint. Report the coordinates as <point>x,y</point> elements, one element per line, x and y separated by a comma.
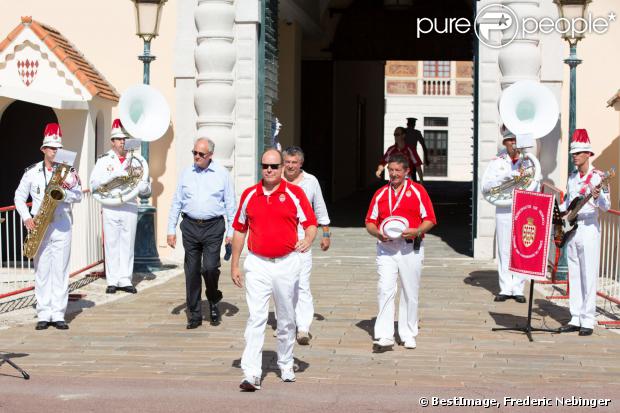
<point>609,273</point>
<point>17,271</point>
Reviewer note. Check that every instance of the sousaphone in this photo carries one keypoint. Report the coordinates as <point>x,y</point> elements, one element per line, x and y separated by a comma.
<point>145,115</point>
<point>530,111</point>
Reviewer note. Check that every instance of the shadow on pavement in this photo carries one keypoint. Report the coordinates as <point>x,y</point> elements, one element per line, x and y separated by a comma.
<point>484,279</point>
<point>226,309</point>
<point>69,317</point>
<point>270,364</point>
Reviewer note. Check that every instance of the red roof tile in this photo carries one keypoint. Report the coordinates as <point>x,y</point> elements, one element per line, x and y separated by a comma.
<point>67,53</point>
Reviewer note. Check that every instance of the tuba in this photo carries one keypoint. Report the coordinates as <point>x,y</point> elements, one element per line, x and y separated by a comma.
<point>530,111</point>
<point>54,193</point>
<point>145,115</point>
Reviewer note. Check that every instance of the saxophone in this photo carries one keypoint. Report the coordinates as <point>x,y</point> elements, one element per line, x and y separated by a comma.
<point>53,195</point>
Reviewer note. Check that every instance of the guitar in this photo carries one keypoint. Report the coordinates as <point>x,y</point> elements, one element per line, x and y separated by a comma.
<point>569,224</point>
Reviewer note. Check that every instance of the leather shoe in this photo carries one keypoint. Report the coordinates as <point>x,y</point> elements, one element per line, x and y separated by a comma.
<point>519,299</point>
<point>500,298</point>
<point>583,331</point>
<point>193,324</point>
<point>42,325</point>
<point>129,289</point>
<point>215,313</point>
<point>110,290</point>
<point>61,325</point>
<point>569,328</point>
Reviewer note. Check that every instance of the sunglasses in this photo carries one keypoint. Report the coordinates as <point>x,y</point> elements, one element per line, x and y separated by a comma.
<point>273,166</point>
<point>201,154</point>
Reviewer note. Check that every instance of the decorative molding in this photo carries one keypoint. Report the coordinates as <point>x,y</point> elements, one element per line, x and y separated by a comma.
<point>215,58</point>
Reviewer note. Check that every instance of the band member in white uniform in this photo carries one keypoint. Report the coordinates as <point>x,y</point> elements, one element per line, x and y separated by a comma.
<point>583,246</point>
<point>304,311</point>
<point>269,213</point>
<point>51,264</point>
<point>119,221</point>
<point>402,256</point>
<point>504,167</point>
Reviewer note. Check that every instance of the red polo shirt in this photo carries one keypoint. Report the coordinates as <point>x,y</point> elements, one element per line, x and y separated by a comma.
<point>273,219</point>
<point>415,205</point>
<point>408,152</point>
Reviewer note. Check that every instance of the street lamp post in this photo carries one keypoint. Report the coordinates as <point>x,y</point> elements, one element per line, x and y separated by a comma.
<point>572,14</point>
<point>146,257</point>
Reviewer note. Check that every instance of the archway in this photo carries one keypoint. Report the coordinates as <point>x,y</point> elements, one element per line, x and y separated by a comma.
<point>21,131</point>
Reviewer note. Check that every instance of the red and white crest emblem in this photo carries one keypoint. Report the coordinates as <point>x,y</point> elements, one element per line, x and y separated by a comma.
<point>282,198</point>
<point>408,193</point>
<point>528,233</point>
<point>27,70</point>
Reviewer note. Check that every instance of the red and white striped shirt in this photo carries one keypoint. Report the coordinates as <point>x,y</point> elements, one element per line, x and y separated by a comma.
<point>272,219</point>
<point>415,205</point>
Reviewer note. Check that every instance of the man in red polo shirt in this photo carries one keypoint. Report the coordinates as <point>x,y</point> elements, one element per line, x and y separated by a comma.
<point>401,254</point>
<point>270,211</point>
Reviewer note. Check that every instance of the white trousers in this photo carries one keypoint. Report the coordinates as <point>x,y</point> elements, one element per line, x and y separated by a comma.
<point>119,232</point>
<point>304,311</point>
<point>508,284</point>
<point>583,265</point>
<point>264,277</point>
<point>396,258</point>
<point>51,282</point>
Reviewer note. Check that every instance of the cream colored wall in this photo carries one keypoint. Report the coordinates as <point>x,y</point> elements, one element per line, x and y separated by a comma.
<point>597,80</point>
<point>288,106</point>
<point>104,31</point>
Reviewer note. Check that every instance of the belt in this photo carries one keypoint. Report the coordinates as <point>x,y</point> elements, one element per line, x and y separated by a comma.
<point>200,221</point>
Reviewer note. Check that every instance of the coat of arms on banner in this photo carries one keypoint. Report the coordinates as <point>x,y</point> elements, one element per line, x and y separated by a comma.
<point>27,70</point>
<point>528,232</point>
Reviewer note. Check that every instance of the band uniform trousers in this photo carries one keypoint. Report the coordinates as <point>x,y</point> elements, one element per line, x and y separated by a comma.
<point>202,241</point>
<point>264,277</point>
<point>304,311</point>
<point>583,265</point>
<point>396,258</point>
<point>52,272</point>
<point>119,232</point>
<point>508,284</point>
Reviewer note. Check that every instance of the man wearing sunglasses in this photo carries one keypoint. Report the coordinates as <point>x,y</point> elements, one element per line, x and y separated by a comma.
<point>269,213</point>
<point>204,196</point>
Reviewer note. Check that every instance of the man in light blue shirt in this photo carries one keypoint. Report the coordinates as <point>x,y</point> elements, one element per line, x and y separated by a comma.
<point>204,196</point>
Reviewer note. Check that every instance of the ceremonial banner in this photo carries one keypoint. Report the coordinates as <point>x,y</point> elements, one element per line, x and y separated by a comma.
<point>531,228</point>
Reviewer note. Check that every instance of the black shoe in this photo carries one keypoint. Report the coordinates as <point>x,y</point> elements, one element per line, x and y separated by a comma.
<point>215,313</point>
<point>129,289</point>
<point>583,331</point>
<point>42,325</point>
<point>501,298</point>
<point>519,299</point>
<point>569,328</point>
<point>193,324</point>
<point>110,290</point>
<point>61,325</point>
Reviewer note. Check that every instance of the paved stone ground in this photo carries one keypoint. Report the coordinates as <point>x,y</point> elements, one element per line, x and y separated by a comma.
<point>134,341</point>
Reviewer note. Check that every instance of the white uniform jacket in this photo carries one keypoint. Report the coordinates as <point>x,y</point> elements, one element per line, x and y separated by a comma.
<point>580,185</point>
<point>109,166</point>
<point>33,184</point>
<point>313,192</point>
<point>501,169</point>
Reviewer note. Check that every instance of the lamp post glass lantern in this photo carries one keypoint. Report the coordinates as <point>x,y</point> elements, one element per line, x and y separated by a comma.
<point>571,12</point>
<point>146,257</point>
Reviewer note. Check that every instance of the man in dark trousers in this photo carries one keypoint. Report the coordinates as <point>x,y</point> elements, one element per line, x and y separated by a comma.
<point>414,136</point>
<point>204,196</point>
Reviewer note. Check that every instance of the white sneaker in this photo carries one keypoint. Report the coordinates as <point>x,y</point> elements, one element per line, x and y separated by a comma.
<point>288,375</point>
<point>250,384</point>
<point>410,344</point>
<point>303,338</point>
<point>383,344</point>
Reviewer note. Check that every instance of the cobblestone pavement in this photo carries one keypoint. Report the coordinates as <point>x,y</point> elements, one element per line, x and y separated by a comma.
<point>142,337</point>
